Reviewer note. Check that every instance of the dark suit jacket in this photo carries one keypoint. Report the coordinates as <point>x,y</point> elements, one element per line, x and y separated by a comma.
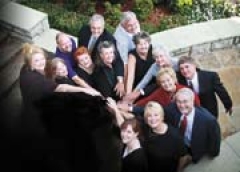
<point>206,135</point>
<point>209,86</point>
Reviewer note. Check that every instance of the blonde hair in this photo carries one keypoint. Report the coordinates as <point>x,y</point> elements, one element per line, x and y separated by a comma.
<point>28,50</point>
<point>153,107</point>
<point>166,70</point>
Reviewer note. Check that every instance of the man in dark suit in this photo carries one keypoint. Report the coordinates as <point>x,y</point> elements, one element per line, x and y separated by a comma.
<point>206,84</point>
<point>91,35</point>
<point>199,128</point>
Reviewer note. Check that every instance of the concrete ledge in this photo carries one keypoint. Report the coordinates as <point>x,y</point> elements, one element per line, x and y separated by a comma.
<point>228,160</point>
<point>200,38</point>
<point>22,21</point>
<point>47,40</point>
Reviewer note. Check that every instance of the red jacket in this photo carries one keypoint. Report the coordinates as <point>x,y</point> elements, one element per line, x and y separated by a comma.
<point>163,97</point>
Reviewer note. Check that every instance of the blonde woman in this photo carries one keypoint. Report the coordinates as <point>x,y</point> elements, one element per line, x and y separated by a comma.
<point>164,146</point>
<point>168,86</point>
<point>164,94</point>
<point>34,84</point>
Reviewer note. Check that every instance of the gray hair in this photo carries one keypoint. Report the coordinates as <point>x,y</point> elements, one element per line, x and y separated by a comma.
<point>127,15</point>
<point>105,44</point>
<point>97,17</point>
<point>185,91</point>
<point>163,50</point>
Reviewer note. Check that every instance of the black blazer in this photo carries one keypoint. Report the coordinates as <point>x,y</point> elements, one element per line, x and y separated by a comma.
<point>84,38</point>
<point>210,85</point>
<point>102,83</point>
<point>206,135</point>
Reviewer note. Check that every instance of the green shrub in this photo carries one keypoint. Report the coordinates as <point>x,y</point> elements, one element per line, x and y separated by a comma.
<point>59,18</point>
<point>169,22</point>
<point>143,8</point>
<point>150,28</point>
<point>112,15</point>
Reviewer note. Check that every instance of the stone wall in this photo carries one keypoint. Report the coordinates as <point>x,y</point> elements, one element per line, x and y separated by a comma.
<point>196,39</point>
<point>200,39</point>
<point>23,22</point>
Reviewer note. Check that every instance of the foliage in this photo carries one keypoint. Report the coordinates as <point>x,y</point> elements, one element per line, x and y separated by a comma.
<point>143,8</point>
<point>112,15</point>
<point>150,28</point>
<point>69,15</point>
<point>173,21</point>
<point>59,18</point>
<point>203,10</point>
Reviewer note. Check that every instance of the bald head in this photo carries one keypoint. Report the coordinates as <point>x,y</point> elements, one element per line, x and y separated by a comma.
<point>64,42</point>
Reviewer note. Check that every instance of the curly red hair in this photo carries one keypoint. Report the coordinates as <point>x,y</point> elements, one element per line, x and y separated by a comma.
<point>80,51</point>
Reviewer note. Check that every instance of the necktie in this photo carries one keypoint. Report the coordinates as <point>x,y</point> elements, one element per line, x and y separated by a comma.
<point>183,125</point>
<point>190,84</point>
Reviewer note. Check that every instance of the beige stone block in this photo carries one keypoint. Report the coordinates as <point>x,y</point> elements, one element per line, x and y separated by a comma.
<point>230,77</point>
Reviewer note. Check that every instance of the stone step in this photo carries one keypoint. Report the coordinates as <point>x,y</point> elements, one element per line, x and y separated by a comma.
<point>9,74</point>
<point>11,109</point>
<point>15,18</point>
<point>8,48</point>
<point>3,36</point>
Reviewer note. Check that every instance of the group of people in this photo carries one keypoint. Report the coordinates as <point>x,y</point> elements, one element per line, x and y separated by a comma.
<point>165,108</point>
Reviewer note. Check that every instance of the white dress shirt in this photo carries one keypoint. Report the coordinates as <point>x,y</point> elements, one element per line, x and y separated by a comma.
<point>195,83</point>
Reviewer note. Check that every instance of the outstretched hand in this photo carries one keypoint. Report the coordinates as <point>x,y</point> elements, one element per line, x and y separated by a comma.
<point>229,111</point>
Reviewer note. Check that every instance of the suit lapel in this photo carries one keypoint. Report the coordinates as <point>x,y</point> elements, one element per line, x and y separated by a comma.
<point>196,126</point>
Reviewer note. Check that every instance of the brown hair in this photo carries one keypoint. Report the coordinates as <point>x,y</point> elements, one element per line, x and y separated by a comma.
<point>186,59</point>
<point>135,126</point>
<point>141,35</point>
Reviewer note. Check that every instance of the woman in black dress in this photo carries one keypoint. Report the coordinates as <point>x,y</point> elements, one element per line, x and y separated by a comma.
<point>35,85</point>
<point>133,155</point>
<point>164,146</point>
<point>85,65</point>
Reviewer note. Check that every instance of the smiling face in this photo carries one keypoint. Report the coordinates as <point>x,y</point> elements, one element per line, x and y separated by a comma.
<point>61,69</point>
<point>188,70</point>
<point>84,61</point>
<point>185,102</point>
<point>107,55</point>
<point>38,62</point>
<point>161,59</point>
<point>64,43</point>
<point>154,115</point>
<point>97,28</point>
<point>142,46</point>
<point>167,82</point>
<point>132,26</point>
<point>154,119</point>
<point>128,134</point>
